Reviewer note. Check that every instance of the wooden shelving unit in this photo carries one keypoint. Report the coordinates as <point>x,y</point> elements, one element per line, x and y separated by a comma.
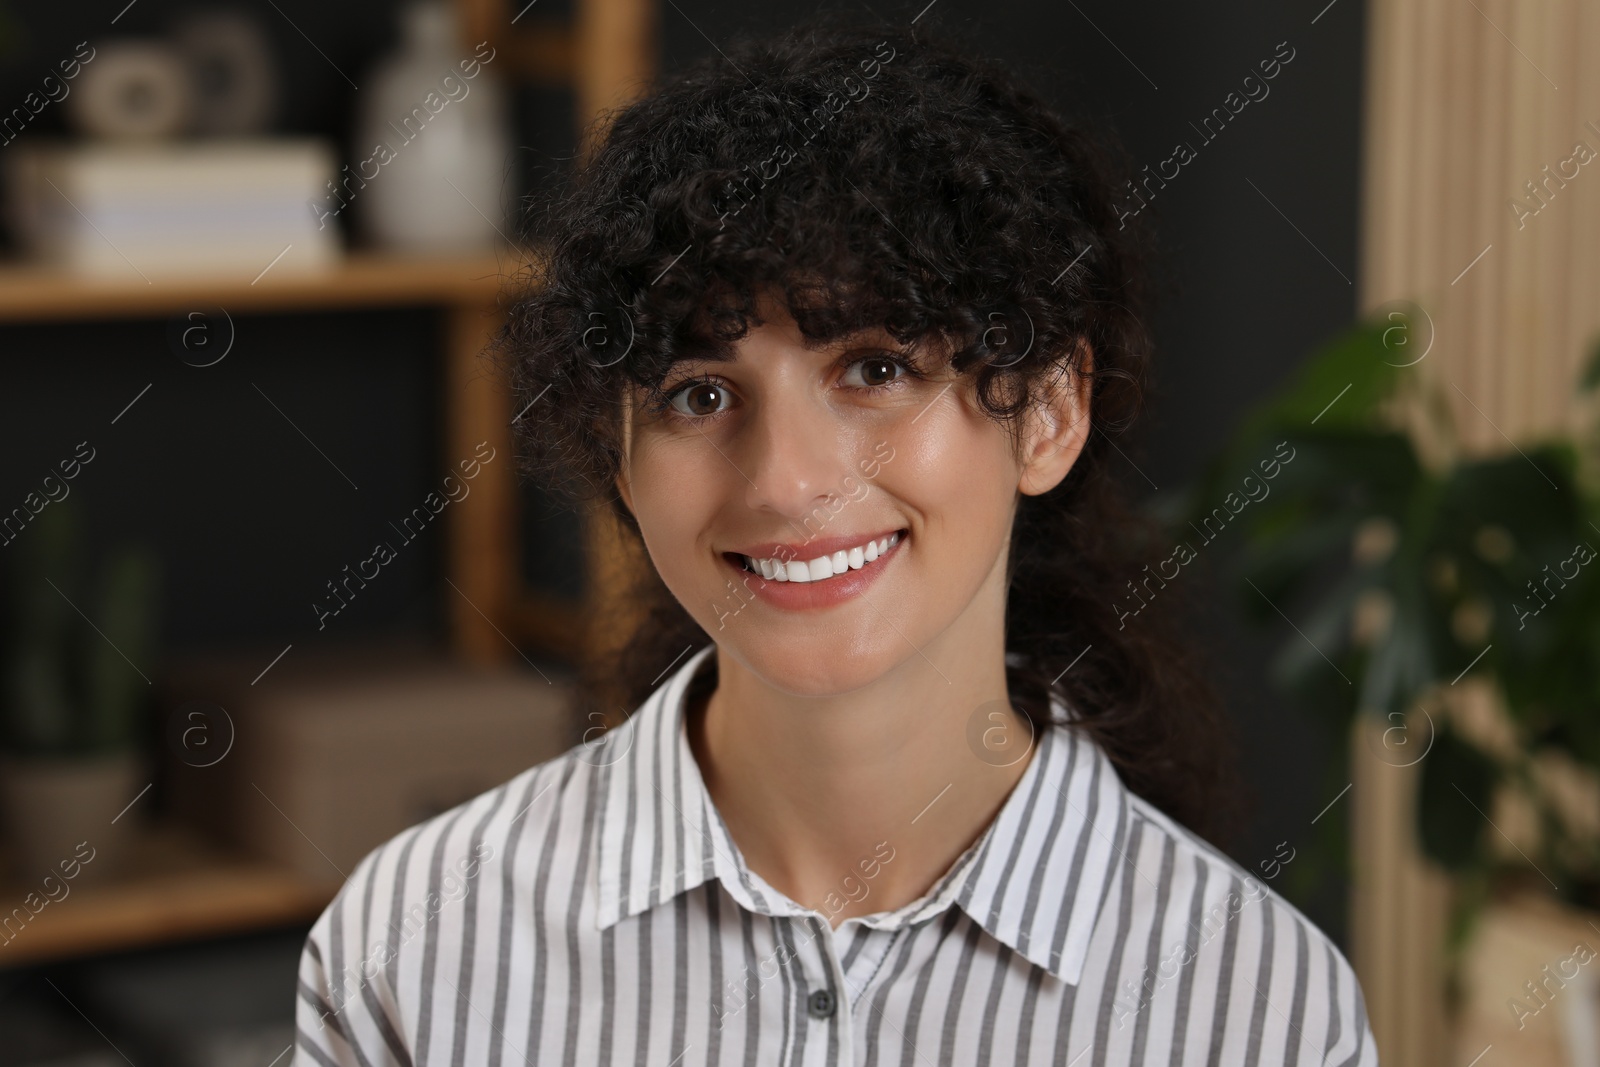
<point>178,887</point>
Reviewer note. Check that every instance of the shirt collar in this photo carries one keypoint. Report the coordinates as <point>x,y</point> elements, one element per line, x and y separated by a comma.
<point>1035,880</point>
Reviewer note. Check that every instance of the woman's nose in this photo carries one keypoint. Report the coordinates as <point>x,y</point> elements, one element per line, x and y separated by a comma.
<point>795,455</point>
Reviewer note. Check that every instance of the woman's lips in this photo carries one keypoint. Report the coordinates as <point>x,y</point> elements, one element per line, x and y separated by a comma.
<point>821,593</point>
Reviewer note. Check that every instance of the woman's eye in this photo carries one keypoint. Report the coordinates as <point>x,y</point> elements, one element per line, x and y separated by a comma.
<point>698,399</point>
<point>877,370</point>
<point>706,397</point>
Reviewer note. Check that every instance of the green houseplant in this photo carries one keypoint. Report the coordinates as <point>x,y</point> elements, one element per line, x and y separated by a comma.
<point>72,691</point>
<point>1407,566</point>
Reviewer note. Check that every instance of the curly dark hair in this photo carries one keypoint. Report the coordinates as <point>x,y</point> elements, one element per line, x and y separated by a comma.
<point>874,177</point>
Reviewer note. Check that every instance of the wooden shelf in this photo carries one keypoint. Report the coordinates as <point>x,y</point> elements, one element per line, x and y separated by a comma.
<point>33,293</point>
<point>175,888</point>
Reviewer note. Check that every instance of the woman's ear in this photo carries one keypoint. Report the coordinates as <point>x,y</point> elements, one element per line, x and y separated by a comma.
<point>1058,427</point>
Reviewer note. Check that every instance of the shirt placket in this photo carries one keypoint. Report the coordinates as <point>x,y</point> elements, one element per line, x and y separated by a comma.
<point>820,1031</point>
<point>860,965</point>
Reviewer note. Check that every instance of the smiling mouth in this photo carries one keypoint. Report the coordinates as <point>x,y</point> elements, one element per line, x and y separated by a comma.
<point>822,568</point>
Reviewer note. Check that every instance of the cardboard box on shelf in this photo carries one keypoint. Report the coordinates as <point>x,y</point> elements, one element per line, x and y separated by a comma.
<point>329,756</point>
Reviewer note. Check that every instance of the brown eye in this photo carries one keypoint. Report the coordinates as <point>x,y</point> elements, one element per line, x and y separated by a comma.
<point>876,371</point>
<point>700,399</point>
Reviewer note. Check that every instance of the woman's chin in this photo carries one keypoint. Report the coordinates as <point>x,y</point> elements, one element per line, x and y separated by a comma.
<point>819,665</point>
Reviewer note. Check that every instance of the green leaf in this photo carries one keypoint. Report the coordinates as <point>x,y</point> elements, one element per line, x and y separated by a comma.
<point>1453,801</point>
<point>1414,663</point>
<point>1342,386</point>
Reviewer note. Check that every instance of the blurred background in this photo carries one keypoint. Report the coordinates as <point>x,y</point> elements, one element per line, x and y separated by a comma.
<point>271,593</point>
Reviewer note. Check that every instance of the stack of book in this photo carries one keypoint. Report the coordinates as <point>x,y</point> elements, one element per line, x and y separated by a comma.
<point>216,206</point>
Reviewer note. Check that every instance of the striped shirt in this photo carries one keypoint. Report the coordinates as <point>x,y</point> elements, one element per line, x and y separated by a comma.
<point>595,910</point>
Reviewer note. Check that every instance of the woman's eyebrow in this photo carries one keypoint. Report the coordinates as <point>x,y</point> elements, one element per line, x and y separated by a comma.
<point>730,353</point>
<point>704,354</point>
<point>857,335</point>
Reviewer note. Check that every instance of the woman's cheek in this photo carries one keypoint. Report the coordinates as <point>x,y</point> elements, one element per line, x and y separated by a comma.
<point>939,460</point>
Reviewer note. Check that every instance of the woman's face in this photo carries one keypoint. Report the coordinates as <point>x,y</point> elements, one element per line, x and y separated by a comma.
<point>793,454</point>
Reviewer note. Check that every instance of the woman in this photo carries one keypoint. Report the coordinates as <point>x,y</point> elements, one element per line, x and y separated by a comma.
<point>831,322</point>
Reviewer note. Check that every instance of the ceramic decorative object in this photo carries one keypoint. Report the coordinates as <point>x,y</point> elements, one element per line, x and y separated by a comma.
<point>233,73</point>
<point>428,170</point>
<point>134,90</point>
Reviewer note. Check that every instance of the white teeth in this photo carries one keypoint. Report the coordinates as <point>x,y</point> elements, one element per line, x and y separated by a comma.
<point>823,567</point>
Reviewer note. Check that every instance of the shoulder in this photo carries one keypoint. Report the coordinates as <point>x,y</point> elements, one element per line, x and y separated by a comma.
<point>1260,981</point>
<point>412,908</point>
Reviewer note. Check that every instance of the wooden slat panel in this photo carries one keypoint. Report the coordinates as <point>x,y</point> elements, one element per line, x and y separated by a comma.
<point>1483,326</point>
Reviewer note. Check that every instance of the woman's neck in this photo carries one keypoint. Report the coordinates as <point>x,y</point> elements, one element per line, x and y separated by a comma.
<point>818,791</point>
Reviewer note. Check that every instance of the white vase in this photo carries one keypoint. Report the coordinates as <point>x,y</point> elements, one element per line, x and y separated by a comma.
<point>49,806</point>
<point>432,144</point>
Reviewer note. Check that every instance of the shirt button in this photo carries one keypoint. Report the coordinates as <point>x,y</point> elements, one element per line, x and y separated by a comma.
<point>821,1003</point>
